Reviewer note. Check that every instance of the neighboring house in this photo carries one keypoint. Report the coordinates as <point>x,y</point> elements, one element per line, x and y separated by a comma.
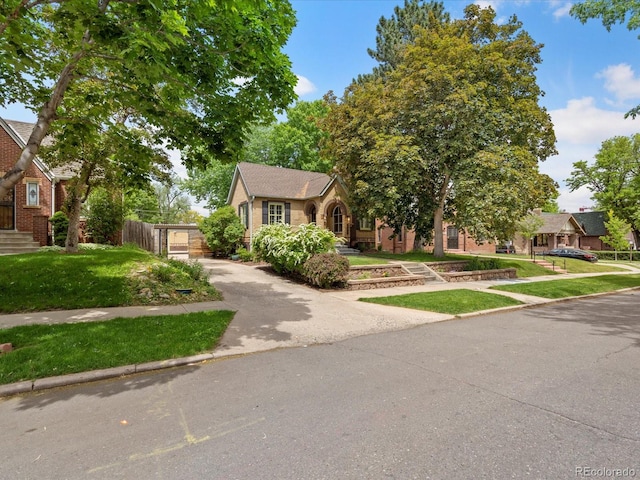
<point>40,193</point>
<point>263,194</point>
<point>593,224</point>
<point>558,230</point>
<point>455,240</point>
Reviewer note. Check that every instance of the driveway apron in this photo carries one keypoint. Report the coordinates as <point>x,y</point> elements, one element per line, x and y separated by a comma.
<point>274,312</point>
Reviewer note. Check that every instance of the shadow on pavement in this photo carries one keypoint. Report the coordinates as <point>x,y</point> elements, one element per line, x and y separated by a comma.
<point>614,315</point>
<point>105,388</point>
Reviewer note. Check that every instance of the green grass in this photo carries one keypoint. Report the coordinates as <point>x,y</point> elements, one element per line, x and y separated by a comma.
<point>366,260</point>
<point>97,278</point>
<point>453,302</point>
<point>417,257</point>
<point>580,266</point>
<point>47,350</point>
<point>575,286</point>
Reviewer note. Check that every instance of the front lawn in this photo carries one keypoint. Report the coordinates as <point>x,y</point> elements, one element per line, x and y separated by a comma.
<point>97,278</point>
<point>47,350</point>
<point>573,265</point>
<point>574,287</point>
<point>453,302</point>
<point>366,260</point>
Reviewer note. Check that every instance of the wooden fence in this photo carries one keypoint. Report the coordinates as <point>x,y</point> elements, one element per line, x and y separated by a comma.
<point>139,233</point>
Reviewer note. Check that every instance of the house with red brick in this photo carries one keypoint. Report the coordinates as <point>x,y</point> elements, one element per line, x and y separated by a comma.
<point>25,211</point>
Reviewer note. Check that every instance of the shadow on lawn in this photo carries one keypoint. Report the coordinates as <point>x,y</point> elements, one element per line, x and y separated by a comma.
<point>611,315</point>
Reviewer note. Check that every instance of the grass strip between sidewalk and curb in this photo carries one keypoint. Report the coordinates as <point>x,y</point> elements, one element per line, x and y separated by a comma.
<point>573,287</point>
<point>41,351</point>
<point>453,302</point>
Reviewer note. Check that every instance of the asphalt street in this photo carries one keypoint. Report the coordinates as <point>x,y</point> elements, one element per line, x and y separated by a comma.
<point>547,393</point>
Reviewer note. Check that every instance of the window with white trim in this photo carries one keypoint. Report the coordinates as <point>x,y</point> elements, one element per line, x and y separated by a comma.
<point>33,194</point>
<point>365,223</point>
<point>276,213</point>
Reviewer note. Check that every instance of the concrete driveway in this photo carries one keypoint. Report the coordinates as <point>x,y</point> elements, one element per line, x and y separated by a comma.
<point>274,312</point>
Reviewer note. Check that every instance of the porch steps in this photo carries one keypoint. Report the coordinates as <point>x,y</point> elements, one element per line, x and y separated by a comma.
<point>550,266</point>
<point>12,242</point>
<point>415,268</point>
<point>342,249</point>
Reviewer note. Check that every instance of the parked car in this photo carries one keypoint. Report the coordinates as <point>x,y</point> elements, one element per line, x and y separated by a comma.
<point>505,249</point>
<point>572,253</point>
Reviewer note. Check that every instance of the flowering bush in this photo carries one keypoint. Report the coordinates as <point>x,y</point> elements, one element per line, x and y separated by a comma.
<point>287,249</point>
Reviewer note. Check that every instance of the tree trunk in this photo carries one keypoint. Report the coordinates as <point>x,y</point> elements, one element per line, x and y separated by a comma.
<point>45,118</point>
<point>438,241</point>
<point>75,205</point>
<point>79,189</point>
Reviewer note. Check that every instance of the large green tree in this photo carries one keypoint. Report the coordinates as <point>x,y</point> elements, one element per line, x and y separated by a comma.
<point>614,179</point>
<point>611,12</point>
<point>193,72</point>
<point>295,142</point>
<point>393,33</point>
<point>454,131</point>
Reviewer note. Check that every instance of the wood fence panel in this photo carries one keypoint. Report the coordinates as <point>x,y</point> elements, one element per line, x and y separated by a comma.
<point>139,233</point>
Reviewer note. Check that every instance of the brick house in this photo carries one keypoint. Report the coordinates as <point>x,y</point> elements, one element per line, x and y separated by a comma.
<point>263,194</point>
<point>593,224</point>
<point>41,192</point>
<point>455,240</point>
<point>558,230</point>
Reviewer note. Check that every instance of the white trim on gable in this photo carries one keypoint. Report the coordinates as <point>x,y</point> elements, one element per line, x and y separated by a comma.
<point>22,143</point>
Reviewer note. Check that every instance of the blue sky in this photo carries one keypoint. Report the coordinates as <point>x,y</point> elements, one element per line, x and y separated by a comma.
<point>591,77</point>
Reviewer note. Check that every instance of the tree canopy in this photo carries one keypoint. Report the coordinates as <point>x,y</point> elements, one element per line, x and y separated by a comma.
<point>295,142</point>
<point>194,73</point>
<point>454,131</point>
<point>614,179</point>
<point>611,12</point>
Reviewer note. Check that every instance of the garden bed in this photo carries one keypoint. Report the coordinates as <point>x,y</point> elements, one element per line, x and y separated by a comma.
<point>366,277</point>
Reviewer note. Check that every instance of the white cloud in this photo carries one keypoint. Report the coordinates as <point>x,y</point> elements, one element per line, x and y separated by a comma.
<point>304,86</point>
<point>621,81</point>
<point>580,128</point>
<point>561,9</point>
<point>583,122</point>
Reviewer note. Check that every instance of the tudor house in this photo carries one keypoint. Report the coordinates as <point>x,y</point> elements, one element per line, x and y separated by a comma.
<point>263,194</point>
<point>25,211</point>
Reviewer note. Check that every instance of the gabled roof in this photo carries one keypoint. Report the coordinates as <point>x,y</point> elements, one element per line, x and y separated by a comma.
<point>592,223</point>
<point>281,183</point>
<point>20,132</point>
<point>555,222</point>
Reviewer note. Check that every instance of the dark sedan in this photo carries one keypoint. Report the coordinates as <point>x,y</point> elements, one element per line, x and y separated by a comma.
<point>572,253</point>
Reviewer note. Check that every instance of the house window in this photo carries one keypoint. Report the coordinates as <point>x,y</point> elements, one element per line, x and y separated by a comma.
<point>243,213</point>
<point>365,223</point>
<point>313,214</point>
<point>337,219</point>
<point>276,213</point>
<point>33,194</point>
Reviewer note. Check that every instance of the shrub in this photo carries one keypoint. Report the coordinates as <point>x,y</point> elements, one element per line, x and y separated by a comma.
<point>326,270</point>
<point>194,269</point>
<point>60,224</point>
<point>244,254</point>
<point>105,215</point>
<point>485,264</point>
<point>287,250</point>
<point>223,231</point>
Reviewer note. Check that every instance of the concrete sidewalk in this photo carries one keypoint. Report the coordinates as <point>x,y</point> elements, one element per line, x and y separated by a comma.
<point>271,312</point>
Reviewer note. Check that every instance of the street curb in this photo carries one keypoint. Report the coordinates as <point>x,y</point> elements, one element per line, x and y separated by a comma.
<point>28,386</point>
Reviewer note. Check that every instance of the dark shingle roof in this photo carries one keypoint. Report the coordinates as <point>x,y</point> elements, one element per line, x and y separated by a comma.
<point>278,182</point>
<point>592,223</point>
<point>23,130</point>
<point>554,222</point>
